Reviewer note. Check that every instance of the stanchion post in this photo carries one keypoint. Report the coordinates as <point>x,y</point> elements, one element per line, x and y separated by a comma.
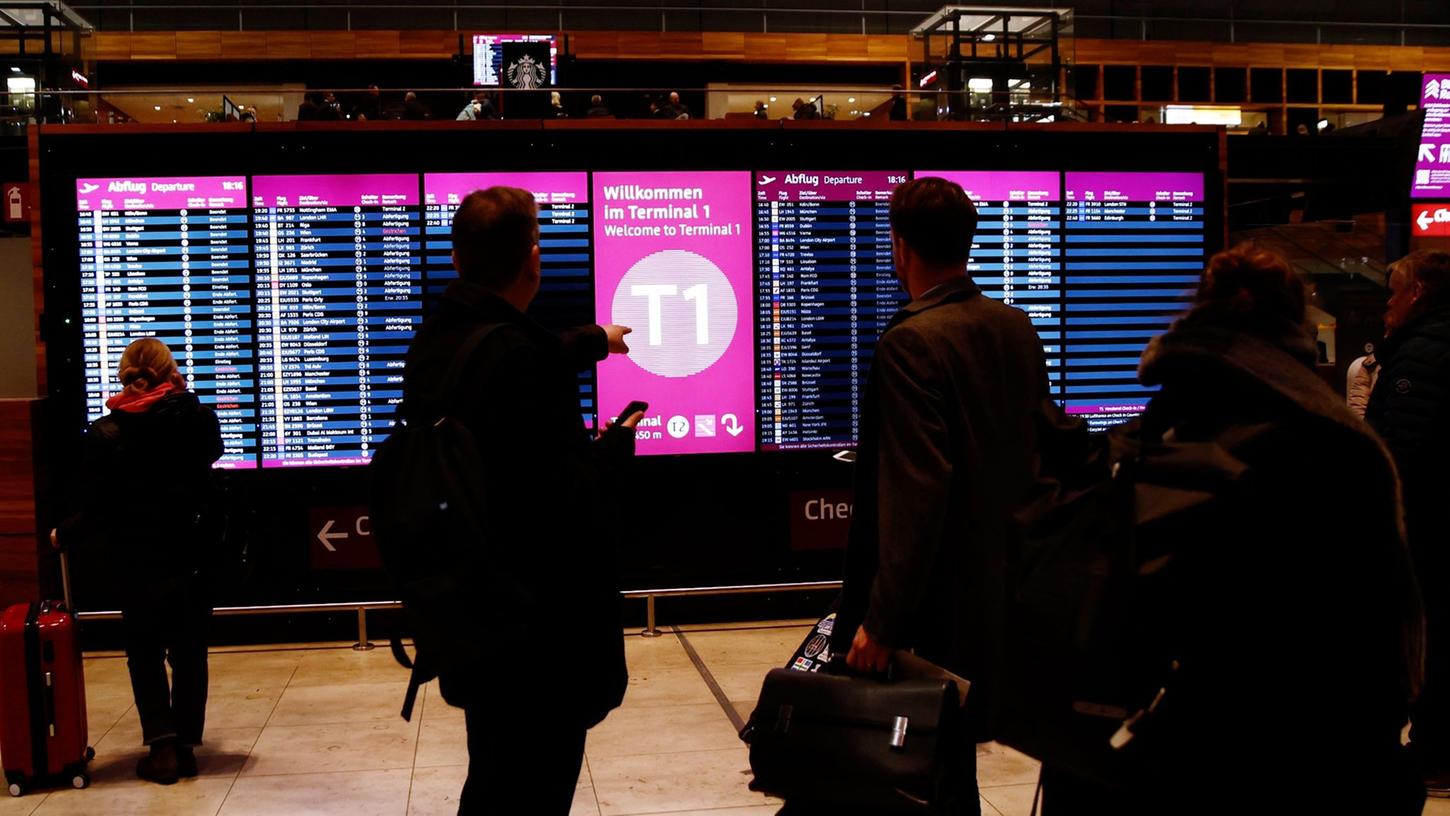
<point>362,644</point>
<point>650,630</point>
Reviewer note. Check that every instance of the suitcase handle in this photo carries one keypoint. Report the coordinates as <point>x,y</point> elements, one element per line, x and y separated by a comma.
<point>65,581</point>
<point>48,690</point>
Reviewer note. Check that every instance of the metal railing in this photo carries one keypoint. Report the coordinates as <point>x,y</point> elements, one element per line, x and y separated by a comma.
<point>284,103</point>
<point>263,16</point>
<point>362,608</point>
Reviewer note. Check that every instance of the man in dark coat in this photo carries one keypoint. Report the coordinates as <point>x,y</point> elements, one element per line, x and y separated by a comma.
<point>549,488</point>
<point>947,443</point>
<point>413,110</point>
<point>1410,407</point>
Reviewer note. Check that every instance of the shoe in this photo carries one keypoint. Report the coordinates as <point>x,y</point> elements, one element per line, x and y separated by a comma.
<point>160,766</point>
<point>185,762</point>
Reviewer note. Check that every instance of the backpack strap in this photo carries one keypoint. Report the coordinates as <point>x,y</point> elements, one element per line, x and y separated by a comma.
<point>444,400</point>
<point>418,674</point>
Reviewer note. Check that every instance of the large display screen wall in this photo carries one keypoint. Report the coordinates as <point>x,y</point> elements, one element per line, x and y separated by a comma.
<point>289,267</point>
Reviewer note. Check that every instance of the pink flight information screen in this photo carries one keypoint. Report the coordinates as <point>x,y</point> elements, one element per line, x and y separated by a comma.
<point>167,258</point>
<point>1016,253</point>
<point>566,295</point>
<point>673,261</point>
<point>827,289</point>
<point>339,294</point>
<point>1134,251</point>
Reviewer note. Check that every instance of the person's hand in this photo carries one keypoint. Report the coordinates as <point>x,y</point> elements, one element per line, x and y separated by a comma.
<point>866,655</point>
<point>54,539</point>
<point>628,422</point>
<point>616,338</point>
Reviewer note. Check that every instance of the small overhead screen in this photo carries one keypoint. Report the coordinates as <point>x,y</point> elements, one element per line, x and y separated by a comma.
<point>488,56</point>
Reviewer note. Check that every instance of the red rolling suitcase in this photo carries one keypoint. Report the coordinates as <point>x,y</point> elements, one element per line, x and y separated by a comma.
<point>43,739</point>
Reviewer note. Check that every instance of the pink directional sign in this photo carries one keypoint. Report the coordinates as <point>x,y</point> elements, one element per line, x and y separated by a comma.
<point>673,262</point>
<point>1432,157</point>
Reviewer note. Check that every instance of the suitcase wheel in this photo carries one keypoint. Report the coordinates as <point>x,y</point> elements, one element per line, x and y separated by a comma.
<point>81,780</point>
<point>17,789</point>
<point>90,754</point>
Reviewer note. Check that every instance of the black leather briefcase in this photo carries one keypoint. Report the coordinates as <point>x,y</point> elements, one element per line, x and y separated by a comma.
<point>857,743</point>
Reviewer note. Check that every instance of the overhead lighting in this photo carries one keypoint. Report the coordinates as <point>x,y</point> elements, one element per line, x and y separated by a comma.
<point>851,99</point>
<point>158,107</point>
<point>867,113</point>
<point>989,38</point>
<point>14,69</point>
<point>1195,115</point>
<point>191,99</point>
<point>1323,123</point>
<point>772,99</point>
<point>980,84</point>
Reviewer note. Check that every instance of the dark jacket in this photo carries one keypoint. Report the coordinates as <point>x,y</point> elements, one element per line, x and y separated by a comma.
<point>1303,640</point>
<point>947,440</point>
<point>549,489</point>
<point>1410,408</point>
<point>413,110</point>
<point>600,112</point>
<point>371,108</point>
<point>145,480</point>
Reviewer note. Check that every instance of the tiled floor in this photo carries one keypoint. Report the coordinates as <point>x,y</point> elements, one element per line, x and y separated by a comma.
<point>315,731</point>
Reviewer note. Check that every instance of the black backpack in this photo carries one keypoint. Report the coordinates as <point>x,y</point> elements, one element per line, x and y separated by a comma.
<point>1107,570</point>
<point>428,506</point>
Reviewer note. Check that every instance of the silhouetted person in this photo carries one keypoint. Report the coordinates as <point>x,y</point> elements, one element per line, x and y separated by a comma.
<point>413,110</point>
<point>897,112</point>
<point>1298,633</point>
<point>597,110</point>
<point>948,440</point>
<point>1410,408</point>
<point>370,108</point>
<point>526,730</point>
<point>143,499</point>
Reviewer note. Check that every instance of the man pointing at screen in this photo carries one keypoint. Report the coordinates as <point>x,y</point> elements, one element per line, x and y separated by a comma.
<point>548,540</point>
<point>946,452</point>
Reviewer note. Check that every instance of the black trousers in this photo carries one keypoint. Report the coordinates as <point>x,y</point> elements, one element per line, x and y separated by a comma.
<point>519,761</point>
<point>167,623</point>
<point>1430,713</point>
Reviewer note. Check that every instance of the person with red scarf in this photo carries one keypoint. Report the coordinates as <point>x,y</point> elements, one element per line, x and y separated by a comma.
<point>142,495</point>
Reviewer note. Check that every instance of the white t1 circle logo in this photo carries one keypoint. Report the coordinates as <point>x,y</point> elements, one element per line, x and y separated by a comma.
<point>682,309</point>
